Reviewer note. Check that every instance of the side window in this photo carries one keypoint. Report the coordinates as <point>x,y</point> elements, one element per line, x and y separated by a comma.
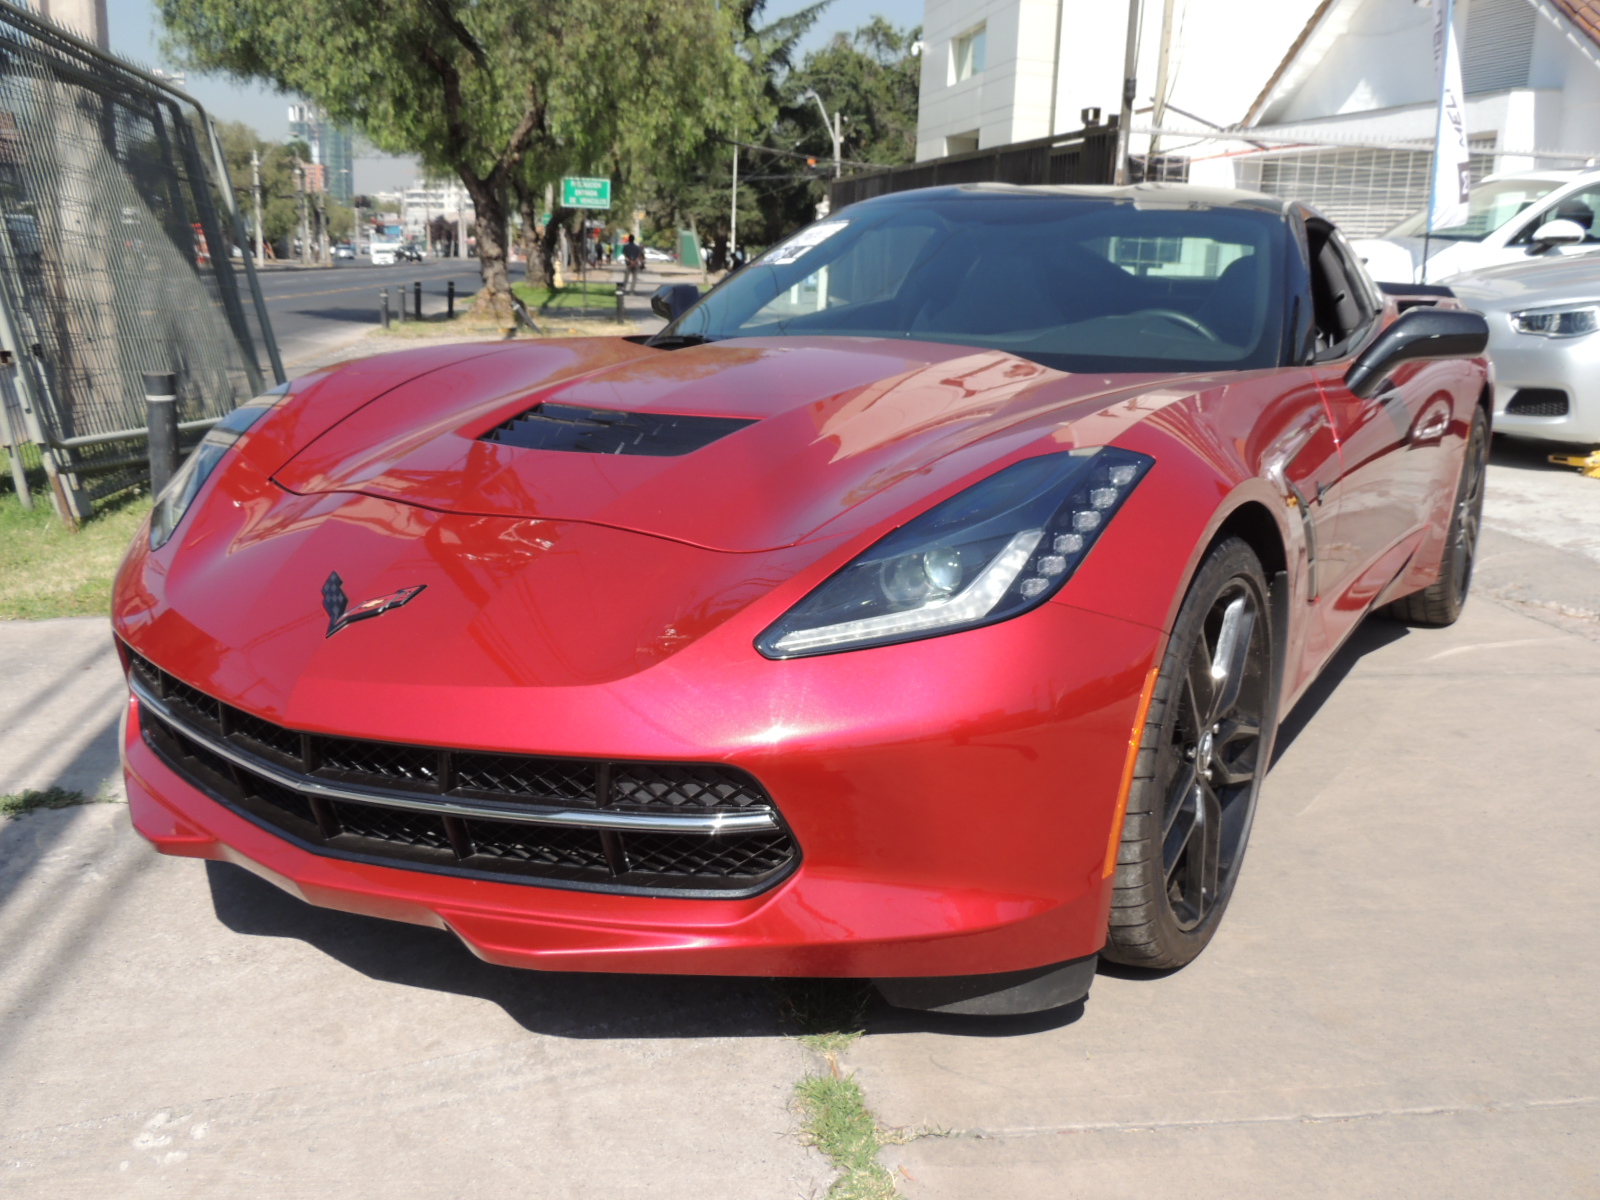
<point>1343,305</point>
<point>1582,207</point>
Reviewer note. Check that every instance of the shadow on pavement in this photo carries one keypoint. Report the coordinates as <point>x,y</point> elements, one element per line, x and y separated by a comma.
<point>363,316</point>
<point>1372,634</point>
<point>559,1004</point>
<point>1530,454</point>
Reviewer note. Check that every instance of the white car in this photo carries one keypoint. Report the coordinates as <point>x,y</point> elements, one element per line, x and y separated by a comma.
<point>383,254</point>
<point>1510,219</point>
<point>651,254</point>
<point>1544,340</point>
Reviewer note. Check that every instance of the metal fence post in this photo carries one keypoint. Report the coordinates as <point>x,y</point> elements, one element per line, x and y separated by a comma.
<point>383,307</point>
<point>161,415</point>
<point>450,300</point>
<point>416,291</point>
<point>622,314</point>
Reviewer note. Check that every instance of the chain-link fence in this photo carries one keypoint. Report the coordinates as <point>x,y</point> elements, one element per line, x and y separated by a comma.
<point>119,255</point>
<point>1366,187</point>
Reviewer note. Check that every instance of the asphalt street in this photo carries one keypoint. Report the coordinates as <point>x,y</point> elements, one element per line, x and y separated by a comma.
<point>315,309</point>
<point>1399,1004</point>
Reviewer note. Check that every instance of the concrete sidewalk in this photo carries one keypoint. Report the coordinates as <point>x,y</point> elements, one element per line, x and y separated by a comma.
<point>1401,1002</point>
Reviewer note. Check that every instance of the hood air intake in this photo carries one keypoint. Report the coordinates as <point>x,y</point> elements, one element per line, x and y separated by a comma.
<point>607,431</point>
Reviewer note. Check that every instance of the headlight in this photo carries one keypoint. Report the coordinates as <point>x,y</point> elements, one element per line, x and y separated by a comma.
<point>181,490</point>
<point>1558,322</point>
<point>999,548</point>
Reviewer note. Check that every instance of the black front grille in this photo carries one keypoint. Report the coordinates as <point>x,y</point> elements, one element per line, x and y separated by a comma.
<point>1538,402</point>
<point>574,855</point>
<point>608,431</point>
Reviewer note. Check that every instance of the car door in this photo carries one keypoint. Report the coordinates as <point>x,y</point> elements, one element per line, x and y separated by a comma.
<point>1380,495</point>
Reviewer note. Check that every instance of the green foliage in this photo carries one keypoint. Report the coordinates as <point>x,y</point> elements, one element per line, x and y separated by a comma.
<point>280,211</point>
<point>498,92</point>
<point>869,76</point>
<point>49,570</point>
<point>836,1121</point>
<point>14,804</point>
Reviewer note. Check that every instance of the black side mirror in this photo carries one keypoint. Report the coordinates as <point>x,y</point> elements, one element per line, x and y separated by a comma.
<point>1420,334</point>
<point>672,300</point>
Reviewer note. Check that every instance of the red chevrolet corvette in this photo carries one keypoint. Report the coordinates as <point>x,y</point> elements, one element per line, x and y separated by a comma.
<point>919,606</point>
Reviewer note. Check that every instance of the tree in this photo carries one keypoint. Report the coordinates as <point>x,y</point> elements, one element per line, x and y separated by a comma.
<point>280,202</point>
<point>495,92</point>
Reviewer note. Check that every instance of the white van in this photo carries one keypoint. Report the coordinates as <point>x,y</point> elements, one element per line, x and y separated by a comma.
<point>1510,218</point>
<point>383,253</point>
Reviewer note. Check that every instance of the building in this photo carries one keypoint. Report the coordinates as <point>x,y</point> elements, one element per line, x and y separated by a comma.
<point>425,201</point>
<point>1350,73</point>
<point>332,149</point>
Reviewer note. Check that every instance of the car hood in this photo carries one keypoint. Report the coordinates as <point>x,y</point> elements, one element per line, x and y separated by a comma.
<point>1544,281</point>
<point>830,423</point>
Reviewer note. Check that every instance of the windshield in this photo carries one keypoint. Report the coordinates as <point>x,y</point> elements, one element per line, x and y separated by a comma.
<point>1074,283</point>
<point>1489,206</point>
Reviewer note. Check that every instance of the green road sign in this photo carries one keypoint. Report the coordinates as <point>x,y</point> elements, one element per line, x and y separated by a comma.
<point>544,218</point>
<point>578,192</point>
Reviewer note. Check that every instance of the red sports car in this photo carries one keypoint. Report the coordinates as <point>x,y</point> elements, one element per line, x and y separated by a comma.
<point>919,606</point>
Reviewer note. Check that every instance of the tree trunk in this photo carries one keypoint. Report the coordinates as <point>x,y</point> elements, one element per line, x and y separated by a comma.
<point>489,198</point>
<point>549,244</point>
<point>528,206</point>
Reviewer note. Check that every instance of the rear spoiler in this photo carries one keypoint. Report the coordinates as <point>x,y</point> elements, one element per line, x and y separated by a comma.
<point>1414,295</point>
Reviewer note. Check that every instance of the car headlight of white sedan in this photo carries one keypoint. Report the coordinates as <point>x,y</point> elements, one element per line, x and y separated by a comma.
<point>1567,321</point>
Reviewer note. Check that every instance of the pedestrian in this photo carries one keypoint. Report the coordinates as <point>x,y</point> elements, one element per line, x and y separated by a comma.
<point>632,263</point>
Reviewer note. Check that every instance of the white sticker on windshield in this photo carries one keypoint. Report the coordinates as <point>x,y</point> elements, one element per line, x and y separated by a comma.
<point>805,240</point>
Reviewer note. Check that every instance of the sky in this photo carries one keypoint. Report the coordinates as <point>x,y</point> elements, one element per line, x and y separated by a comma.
<point>135,35</point>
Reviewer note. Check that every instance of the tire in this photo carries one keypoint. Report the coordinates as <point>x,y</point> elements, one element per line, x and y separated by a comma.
<point>1202,754</point>
<point>1440,603</point>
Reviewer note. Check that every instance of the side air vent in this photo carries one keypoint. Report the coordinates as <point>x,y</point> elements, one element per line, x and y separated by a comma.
<point>607,431</point>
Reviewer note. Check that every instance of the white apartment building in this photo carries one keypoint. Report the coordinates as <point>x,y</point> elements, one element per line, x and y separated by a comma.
<point>426,201</point>
<point>997,71</point>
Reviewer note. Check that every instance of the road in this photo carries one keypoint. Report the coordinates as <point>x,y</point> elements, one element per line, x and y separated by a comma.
<point>311,310</point>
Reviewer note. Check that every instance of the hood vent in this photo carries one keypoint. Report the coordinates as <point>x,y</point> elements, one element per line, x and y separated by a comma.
<point>606,431</point>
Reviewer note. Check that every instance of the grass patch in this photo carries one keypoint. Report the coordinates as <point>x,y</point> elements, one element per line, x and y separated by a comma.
<point>48,570</point>
<point>601,294</point>
<point>830,1016</point>
<point>837,1122</point>
<point>31,800</point>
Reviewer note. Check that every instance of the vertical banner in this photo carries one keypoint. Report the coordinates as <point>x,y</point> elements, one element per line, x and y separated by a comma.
<point>1447,190</point>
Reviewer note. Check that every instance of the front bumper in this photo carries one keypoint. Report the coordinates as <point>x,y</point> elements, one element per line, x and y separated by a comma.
<point>1570,365</point>
<point>955,830</point>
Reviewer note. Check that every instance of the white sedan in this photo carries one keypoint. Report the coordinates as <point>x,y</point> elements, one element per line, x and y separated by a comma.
<point>1510,219</point>
<point>1544,340</point>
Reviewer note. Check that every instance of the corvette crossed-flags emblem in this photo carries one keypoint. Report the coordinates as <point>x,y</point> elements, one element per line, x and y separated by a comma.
<point>337,605</point>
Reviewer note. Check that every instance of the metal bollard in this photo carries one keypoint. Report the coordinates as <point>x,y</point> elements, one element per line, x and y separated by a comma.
<point>383,301</point>
<point>622,313</point>
<point>416,290</point>
<point>450,300</point>
<point>161,419</point>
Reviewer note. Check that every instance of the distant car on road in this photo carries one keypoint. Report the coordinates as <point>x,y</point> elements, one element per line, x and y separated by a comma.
<point>1544,339</point>
<point>344,251</point>
<point>410,252</point>
<point>1510,218</point>
<point>383,254</point>
<point>651,254</point>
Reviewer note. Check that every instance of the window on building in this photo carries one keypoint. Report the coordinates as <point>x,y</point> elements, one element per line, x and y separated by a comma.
<point>961,143</point>
<point>966,54</point>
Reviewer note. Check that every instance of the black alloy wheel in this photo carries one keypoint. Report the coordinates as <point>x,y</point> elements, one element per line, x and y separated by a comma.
<point>1441,602</point>
<point>1203,753</point>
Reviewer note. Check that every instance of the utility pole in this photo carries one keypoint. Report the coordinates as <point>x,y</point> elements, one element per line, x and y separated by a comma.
<point>255,195</point>
<point>733,218</point>
<point>1163,75</point>
<point>1055,70</point>
<point>833,126</point>
<point>300,204</point>
<point>1130,88</point>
